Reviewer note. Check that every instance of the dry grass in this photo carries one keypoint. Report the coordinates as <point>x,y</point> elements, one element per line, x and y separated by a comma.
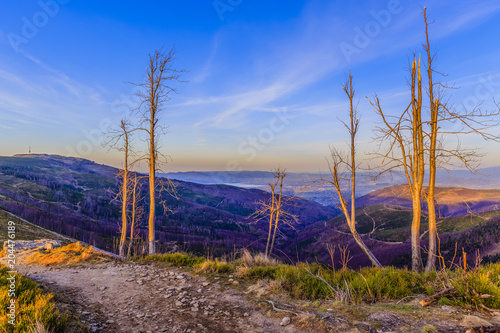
<point>214,266</point>
<point>249,260</point>
<point>66,255</point>
<point>38,328</point>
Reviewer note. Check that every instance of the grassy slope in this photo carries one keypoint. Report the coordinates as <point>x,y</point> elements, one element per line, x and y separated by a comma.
<point>24,231</point>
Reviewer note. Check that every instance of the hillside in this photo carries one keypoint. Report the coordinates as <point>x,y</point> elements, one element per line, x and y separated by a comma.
<point>450,201</point>
<point>75,197</point>
<point>386,230</point>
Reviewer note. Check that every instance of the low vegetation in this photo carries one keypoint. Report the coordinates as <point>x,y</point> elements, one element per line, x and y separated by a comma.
<point>476,288</point>
<point>36,310</point>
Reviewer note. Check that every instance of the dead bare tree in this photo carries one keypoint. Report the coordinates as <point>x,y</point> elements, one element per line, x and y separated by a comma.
<point>343,171</point>
<point>153,94</point>
<point>136,211</point>
<point>405,151</point>
<point>416,143</point>
<point>120,140</point>
<point>473,121</point>
<point>271,208</point>
<point>275,210</point>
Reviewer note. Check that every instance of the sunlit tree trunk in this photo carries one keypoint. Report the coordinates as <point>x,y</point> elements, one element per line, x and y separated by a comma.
<point>133,216</point>
<point>278,208</point>
<point>271,217</point>
<point>430,195</point>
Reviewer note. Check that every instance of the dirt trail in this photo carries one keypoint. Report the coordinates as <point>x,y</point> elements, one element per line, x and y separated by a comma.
<point>130,297</point>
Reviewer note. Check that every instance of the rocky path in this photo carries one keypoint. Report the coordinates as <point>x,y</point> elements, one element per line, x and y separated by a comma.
<point>129,297</point>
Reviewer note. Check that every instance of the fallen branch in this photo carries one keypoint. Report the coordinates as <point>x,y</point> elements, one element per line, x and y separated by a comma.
<point>317,276</point>
<point>402,299</point>
<point>489,309</point>
<point>281,310</point>
<point>435,297</point>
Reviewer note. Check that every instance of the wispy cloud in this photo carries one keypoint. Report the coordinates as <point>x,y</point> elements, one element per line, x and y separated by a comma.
<point>206,70</point>
<point>45,95</point>
<point>308,59</point>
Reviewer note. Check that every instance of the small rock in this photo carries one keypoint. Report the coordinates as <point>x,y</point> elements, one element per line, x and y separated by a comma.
<point>474,321</point>
<point>285,321</point>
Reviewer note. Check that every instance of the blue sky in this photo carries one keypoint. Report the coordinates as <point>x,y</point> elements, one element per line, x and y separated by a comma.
<point>264,77</point>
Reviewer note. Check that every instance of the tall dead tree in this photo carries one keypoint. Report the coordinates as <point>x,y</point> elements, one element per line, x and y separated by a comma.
<point>154,93</point>
<point>120,140</point>
<point>343,171</point>
<point>441,155</point>
<point>136,211</point>
<point>275,209</point>
<point>416,143</point>
<point>434,111</point>
<point>402,148</point>
<point>280,214</point>
<point>271,208</point>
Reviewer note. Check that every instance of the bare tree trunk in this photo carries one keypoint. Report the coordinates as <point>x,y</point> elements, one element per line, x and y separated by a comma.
<point>281,175</point>
<point>271,218</point>
<point>123,237</point>
<point>430,196</point>
<point>418,167</point>
<point>152,186</point>
<point>416,258</point>
<point>133,217</point>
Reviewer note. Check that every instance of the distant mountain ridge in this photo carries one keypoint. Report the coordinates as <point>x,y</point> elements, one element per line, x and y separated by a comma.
<point>489,178</point>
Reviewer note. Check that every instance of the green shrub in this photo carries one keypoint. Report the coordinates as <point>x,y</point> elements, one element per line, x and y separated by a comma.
<point>260,272</point>
<point>473,286</point>
<point>178,259</point>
